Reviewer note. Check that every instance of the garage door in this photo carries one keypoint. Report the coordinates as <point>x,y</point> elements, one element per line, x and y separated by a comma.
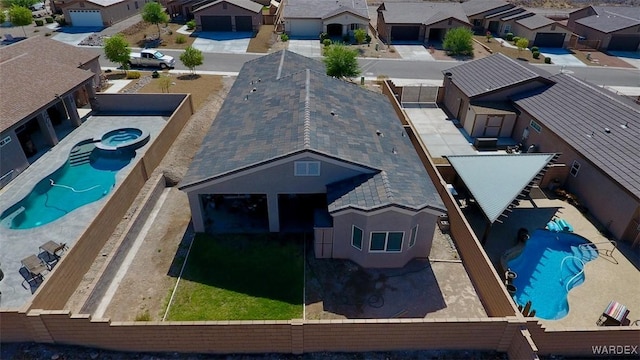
<point>549,40</point>
<point>624,42</point>
<point>85,17</point>
<point>244,23</point>
<point>404,33</point>
<point>306,28</point>
<point>216,23</point>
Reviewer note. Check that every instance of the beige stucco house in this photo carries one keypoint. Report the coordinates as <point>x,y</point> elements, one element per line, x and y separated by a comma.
<point>608,27</point>
<point>229,15</point>
<point>308,19</point>
<point>98,13</point>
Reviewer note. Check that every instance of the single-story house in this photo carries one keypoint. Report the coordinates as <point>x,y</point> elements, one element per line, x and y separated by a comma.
<point>478,10</point>
<point>541,31</point>
<point>229,15</point>
<point>98,13</point>
<point>608,27</point>
<point>310,18</point>
<point>424,22</point>
<point>596,132</point>
<point>286,140</point>
<point>40,98</point>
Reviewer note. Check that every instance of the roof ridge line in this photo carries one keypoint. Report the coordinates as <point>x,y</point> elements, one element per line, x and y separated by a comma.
<point>280,66</point>
<point>307,111</point>
<point>386,184</point>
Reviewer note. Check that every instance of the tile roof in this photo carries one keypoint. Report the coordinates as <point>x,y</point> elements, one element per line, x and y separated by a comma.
<point>517,16</point>
<point>291,112</point>
<point>612,18</point>
<point>320,9</point>
<point>579,113</point>
<point>475,7</point>
<point>426,13</point>
<point>492,73</point>
<point>495,181</point>
<point>34,71</point>
<point>508,12</point>
<point>535,22</point>
<point>244,4</point>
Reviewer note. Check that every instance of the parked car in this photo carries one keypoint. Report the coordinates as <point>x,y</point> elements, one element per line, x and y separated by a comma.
<point>37,6</point>
<point>150,57</point>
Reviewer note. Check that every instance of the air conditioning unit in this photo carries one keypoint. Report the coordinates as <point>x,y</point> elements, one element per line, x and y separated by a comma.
<point>486,143</point>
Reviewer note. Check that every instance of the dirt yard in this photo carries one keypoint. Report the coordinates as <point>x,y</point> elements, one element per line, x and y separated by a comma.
<point>171,39</point>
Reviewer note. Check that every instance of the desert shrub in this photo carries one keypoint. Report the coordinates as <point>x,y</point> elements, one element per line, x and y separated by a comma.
<point>181,39</point>
<point>326,42</point>
<point>39,22</point>
<point>49,20</point>
<point>60,20</point>
<point>515,39</point>
<point>536,54</point>
<point>133,75</point>
<point>284,37</point>
<point>367,39</point>
<point>547,60</point>
<point>191,24</point>
<point>323,36</point>
<point>47,34</point>
<point>144,316</point>
<point>534,49</point>
<point>509,36</point>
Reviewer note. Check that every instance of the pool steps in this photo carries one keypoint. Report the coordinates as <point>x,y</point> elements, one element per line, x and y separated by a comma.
<point>81,154</point>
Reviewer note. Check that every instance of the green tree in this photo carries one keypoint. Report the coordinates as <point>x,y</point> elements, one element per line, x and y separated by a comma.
<point>154,13</point>
<point>458,41</point>
<point>20,16</point>
<point>117,49</point>
<point>341,62</point>
<point>360,35</point>
<point>522,44</point>
<point>3,16</point>
<point>23,3</point>
<point>192,57</point>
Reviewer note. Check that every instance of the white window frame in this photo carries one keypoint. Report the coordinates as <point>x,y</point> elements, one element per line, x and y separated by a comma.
<point>306,171</point>
<point>353,232</point>
<point>413,236</point>
<point>5,141</point>
<point>575,168</point>
<point>386,241</point>
<point>354,26</point>
<point>535,126</point>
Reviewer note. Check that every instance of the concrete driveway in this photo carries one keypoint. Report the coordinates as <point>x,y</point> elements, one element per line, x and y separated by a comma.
<point>413,52</point>
<point>562,57</point>
<point>74,35</point>
<point>309,48</point>
<point>631,57</point>
<point>222,42</point>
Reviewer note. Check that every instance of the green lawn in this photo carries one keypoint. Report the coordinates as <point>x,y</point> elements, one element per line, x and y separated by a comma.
<point>241,277</point>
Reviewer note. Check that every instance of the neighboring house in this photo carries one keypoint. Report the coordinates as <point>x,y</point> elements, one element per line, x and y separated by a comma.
<point>186,8</point>
<point>310,18</point>
<point>596,131</point>
<point>608,27</point>
<point>309,146</point>
<point>40,97</point>
<point>424,22</point>
<point>542,31</point>
<point>98,13</point>
<point>229,15</point>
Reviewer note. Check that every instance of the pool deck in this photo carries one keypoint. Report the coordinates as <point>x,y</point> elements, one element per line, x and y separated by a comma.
<point>18,244</point>
<point>606,277</point>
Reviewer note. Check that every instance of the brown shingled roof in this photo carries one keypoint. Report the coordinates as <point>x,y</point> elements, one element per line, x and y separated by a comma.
<point>34,71</point>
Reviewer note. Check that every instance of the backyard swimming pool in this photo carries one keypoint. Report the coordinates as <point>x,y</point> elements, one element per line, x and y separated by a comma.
<point>88,175</point>
<point>549,266</point>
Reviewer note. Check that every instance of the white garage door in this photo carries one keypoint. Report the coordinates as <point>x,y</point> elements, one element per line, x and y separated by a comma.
<point>85,17</point>
<point>310,28</point>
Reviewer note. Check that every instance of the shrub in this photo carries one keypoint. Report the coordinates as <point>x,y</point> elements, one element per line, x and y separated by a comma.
<point>60,20</point>
<point>155,74</point>
<point>39,22</point>
<point>534,49</point>
<point>326,42</point>
<point>47,34</point>
<point>170,32</point>
<point>145,316</point>
<point>346,39</point>
<point>133,75</point>
<point>284,37</point>
<point>324,36</point>
<point>536,54</point>
<point>509,36</point>
<point>181,39</point>
<point>367,39</point>
<point>515,39</point>
<point>547,60</point>
<point>360,35</point>
<point>191,24</point>
<point>49,20</point>
<point>458,41</point>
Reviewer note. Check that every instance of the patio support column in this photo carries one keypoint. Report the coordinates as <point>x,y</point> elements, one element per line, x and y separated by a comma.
<point>91,93</point>
<point>46,128</point>
<point>274,216</point>
<point>196,211</point>
<point>72,110</point>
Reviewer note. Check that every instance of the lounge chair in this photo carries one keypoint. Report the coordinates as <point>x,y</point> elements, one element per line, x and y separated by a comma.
<point>53,248</point>
<point>614,314</point>
<point>35,266</point>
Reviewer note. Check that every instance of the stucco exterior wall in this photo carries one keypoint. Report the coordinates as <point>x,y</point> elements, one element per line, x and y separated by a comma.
<point>522,31</point>
<point>455,101</point>
<point>447,24</point>
<point>231,10</point>
<point>593,34</point>
<point>12,159</point>
<point>391,219</point>
<point>111,14</point>
<point>346,19</point>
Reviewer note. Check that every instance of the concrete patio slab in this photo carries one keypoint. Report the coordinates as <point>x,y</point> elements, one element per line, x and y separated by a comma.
<point>413,52</point>
<point>222,42</point>
<point>562,57</point>
<point>75,35</point>
<point>309,48</point>
<point>438,132</point>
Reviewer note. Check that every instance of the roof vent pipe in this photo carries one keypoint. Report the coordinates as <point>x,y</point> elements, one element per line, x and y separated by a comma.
<point>379,133</point>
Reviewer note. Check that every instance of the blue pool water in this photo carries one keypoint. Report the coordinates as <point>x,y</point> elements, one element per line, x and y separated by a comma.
<point>88,175</point>
<point>121,136</point>
<point>548,268</point>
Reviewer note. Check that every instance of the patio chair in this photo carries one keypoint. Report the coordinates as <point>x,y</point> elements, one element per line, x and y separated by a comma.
<point>615,314</point>
<point>53,248</point>
<point>35,266</point>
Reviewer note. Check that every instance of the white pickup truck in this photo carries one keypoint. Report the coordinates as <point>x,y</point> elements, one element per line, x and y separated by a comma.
<point>150,57</point>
